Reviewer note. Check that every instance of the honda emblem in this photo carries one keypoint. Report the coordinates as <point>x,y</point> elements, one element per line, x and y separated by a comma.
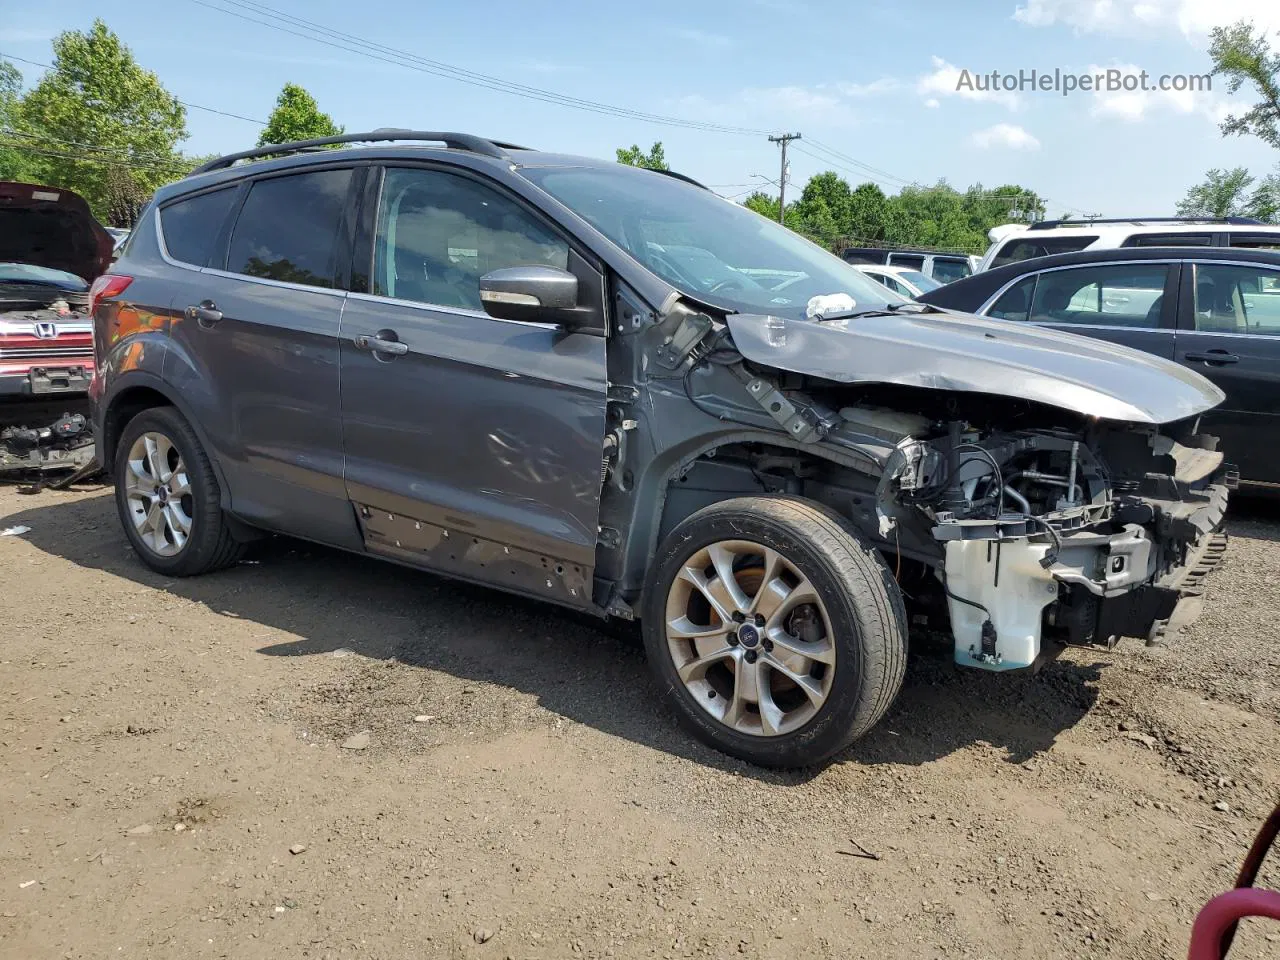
<point>46,331</point>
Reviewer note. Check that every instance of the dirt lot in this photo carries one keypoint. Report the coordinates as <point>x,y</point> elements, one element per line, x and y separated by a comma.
<point>168,744</point>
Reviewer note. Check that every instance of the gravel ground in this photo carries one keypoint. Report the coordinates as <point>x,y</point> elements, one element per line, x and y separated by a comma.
<point>319,755</point>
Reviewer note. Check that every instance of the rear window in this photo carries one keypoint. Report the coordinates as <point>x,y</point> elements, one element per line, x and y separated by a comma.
<point>191,226</point>
<point>1026,248</point>
<point>288,228</point>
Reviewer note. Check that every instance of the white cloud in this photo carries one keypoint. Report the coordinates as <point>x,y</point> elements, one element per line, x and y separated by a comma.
<point>1135,105</point>
<point>933,103</point>
<point>774,107</point>
<point>948,80</point>
<point>875,88</point>
<point>1006,135</point>
<point>701,38</point>
<point>1193,18</point>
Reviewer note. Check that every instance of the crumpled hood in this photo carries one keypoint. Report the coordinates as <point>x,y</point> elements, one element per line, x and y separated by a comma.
<point>950,351</point>
<point>51,227</point>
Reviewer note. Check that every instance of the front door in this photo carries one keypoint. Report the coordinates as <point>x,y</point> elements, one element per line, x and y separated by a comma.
<point>473,445</point>
<point>1229,331</point>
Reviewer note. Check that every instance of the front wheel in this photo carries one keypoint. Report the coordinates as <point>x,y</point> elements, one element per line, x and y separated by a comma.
<point>776,635</point>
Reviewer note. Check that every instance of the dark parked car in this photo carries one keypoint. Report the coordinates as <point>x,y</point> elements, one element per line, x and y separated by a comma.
<point>1215,311</point>
<point>524,369</point>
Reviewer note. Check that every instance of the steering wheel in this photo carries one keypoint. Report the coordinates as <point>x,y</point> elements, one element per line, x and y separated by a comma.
<point>728,283</point>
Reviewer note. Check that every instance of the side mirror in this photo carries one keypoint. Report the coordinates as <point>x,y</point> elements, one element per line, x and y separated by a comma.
<point>537,293</point>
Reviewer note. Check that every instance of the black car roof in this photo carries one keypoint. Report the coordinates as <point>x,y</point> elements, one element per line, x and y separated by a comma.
<point>969,292</point>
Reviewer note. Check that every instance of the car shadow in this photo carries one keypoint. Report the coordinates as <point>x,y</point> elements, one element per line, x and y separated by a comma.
<point>571,663</point>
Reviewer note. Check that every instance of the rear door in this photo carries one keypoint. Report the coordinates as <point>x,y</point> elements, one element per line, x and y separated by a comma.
<point>1229,331</point>
<point>255,351</point>
<point>1131,303</point>
<point>473,445</point>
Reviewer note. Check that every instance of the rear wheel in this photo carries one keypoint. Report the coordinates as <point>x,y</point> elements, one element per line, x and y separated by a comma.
<point>776,635</point>
<point>168,498</point>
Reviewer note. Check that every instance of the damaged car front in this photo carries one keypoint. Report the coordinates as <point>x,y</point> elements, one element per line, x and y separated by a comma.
<point>51,251</point>
<point>1025,489</point>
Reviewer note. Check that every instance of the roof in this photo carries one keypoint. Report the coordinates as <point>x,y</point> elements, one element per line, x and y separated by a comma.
<point>969,292</point>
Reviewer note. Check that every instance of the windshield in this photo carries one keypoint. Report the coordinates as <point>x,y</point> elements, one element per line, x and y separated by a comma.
<point>44,276</point>
<point>920,281</point>
<point>705,246</point>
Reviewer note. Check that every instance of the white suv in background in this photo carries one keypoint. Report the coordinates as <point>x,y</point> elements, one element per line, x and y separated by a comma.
<point>1012,242</point>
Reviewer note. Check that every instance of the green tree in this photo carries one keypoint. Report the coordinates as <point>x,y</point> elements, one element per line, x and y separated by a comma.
<point>297,116</point>
<point>1223,193</point>
<point>1264,202</point>
<point>1244,55</point>
<point>97,116</point>
<point>655,159</point>
<point>16,160</point>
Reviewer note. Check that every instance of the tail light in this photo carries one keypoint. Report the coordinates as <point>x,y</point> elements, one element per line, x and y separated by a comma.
<point>106,286</point>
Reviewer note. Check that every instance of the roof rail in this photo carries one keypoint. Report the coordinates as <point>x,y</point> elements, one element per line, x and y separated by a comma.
<point>455,141</point>
<point>1233,221</point>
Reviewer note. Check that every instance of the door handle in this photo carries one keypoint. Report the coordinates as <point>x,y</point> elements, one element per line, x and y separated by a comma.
<point>205,313</point>
<point>393,348</point>
<point>1215,357</point>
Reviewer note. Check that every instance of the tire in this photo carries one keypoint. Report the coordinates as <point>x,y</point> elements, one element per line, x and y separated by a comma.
<point>860,618</point>
<point>207,544</point>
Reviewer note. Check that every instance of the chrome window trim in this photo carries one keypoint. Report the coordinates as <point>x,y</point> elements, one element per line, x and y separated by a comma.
<point>451,311</point>
<point>249,278</point>
<point>991,301</point>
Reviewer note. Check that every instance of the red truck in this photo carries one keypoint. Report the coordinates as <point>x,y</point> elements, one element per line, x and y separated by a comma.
<point>51,251</point>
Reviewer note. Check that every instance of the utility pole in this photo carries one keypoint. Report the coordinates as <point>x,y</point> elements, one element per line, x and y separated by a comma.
<point>783,139</point>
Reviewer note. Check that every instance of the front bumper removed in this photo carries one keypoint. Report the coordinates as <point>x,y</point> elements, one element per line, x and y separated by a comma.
<point>1009,584</point>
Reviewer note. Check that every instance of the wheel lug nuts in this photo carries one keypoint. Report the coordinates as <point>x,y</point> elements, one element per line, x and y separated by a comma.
<point>751,656</point>
<point>737,616</point>
<point>733,639</point>
<point>759,619</point>
<point>768,645</point>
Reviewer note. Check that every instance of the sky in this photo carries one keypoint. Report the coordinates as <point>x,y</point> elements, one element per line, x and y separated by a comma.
<point>867,83</point>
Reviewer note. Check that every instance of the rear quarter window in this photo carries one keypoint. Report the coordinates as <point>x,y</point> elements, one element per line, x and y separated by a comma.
<point>191,226</point>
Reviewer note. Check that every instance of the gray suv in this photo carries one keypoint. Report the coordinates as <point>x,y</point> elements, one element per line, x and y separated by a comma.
<point>611,389</point>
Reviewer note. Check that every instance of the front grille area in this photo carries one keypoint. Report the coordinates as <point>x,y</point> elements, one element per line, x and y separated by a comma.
<point>46,353</point>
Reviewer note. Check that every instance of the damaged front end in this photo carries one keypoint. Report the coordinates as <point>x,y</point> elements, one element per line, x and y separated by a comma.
<point>1049,535</point>
<point>1050,490</point>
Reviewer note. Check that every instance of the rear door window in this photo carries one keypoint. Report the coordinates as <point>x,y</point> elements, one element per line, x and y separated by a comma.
<point>1027,248</point>
<point>947,269</point>
<point>289,226</point>
<point>1118,295</point>
<point>1237,299</point>
<point>1169,240</point>
<point>191,226</point>
<point>913,260</point>
<point>1254,241</point>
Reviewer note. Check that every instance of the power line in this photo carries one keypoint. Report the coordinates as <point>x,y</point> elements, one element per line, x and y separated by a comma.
<point>193,106</point>
<point>318,33</point>
<point>99,161</point>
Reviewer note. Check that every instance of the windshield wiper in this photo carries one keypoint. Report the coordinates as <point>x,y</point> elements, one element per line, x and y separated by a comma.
<point>888,310</point>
